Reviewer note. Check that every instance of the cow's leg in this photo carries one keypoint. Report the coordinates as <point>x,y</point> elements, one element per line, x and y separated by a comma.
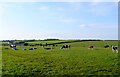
<point>113,50</point>
<point>116,51</point>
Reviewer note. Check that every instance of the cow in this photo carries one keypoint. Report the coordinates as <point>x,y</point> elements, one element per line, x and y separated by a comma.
<point>48,48</point>
<point>35,48</point>
<point>90,47</point>
<point>32,48</point>
<point>24,49</point>
<point>115,49</point>
<point>32,45</point>
<point>106,46</point>
<point>12,46</point>
<point>65,46</point>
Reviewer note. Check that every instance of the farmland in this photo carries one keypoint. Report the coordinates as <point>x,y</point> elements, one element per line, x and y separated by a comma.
<point>78,60</point>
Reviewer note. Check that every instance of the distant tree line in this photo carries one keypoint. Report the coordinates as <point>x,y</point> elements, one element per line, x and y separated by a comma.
<point>32,40</point>
<point>50,39</point>
<point>24,42</point>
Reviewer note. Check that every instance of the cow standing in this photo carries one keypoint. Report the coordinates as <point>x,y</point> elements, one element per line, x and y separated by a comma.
<point>13,47</point>
<point>115,49</point>
<point>32,48</point>
<point>90,47</point>
<point>106,46</point>
<point>65,46</point>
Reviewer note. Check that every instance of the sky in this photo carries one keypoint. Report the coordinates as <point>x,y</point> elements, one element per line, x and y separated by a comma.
<point>60,20</point>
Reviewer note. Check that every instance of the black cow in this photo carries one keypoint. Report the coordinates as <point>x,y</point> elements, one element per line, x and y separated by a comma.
<point>65,46</point>
<point>14,48</point>
<point>24,49</point>
<point>106,46</point>
<point>48,48</point>
<point>32,48</point>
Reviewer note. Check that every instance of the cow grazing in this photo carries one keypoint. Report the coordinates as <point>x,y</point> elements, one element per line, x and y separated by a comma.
<point>48,48</point>
<point>115,49</point>
<point>65,46</point>
<point>24,49</point>
<point>35,48</point>
<point>90,47</point>
<point>32,48</point>
<point>106,46</point>
<point>12,46</point>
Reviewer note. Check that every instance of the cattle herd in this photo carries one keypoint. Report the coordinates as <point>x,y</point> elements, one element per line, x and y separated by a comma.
<point>46,47</point>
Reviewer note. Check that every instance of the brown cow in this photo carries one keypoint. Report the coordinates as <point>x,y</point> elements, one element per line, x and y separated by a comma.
<point>90,47</point>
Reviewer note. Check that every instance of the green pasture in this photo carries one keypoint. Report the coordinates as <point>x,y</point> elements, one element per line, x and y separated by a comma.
<point>78,60</point>
<point>48,42</point>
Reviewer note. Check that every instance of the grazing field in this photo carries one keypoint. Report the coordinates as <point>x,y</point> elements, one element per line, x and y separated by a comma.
<point>43,42</point>
<point>78,60</point>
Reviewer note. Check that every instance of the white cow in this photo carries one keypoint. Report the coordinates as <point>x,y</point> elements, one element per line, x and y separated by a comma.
<point>115,49</point>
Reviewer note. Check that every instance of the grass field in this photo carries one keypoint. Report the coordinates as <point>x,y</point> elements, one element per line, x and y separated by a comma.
<point>78,60</point>
<point>43,42</point>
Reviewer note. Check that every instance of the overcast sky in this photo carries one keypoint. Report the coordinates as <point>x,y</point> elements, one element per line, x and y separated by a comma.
<point>62,20</point>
